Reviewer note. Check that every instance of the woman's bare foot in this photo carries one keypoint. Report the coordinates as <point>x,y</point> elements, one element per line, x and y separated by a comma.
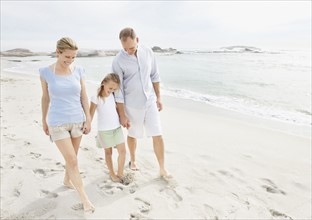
<point>68,184</point>
<point>88,207</point>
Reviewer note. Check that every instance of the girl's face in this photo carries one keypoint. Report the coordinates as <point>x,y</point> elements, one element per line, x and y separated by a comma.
<point>67,57</point>
<point>110,87</point>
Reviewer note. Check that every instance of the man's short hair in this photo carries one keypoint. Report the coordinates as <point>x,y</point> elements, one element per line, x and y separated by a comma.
<point>127,32</point>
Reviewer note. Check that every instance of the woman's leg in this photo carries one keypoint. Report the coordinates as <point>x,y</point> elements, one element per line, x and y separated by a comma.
<point>76,145</point>
<point>66,148</point>
<point>121,159</point>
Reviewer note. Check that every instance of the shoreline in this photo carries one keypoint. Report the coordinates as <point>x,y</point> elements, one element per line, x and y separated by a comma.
<point>225,166</point>
<point>292,115</point>
<point>202,107</point>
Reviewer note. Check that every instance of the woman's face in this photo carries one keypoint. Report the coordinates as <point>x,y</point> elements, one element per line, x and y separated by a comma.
<point>110,87</point>
<point>67,57</point>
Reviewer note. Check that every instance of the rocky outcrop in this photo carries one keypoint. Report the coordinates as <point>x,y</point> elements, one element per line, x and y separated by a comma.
<point>21,52</point>
<point>241,49</point>
<point>93,53</point>
<point>170,50</point>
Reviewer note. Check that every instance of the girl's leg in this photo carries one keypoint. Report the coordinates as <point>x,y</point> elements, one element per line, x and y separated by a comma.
<point>109,163</point>
<point>76,145</point>
<point>66,148</point>
<point>121,159</point>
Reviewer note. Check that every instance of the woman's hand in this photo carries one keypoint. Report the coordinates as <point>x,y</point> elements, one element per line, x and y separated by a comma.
<point>86,127</point>
<point>45,128</point>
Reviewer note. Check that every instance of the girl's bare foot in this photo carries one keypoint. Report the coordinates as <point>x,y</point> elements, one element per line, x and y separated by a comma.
<point>115,178</point>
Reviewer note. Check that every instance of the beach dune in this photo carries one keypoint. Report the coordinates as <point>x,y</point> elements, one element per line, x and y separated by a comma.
<point>224,166</point>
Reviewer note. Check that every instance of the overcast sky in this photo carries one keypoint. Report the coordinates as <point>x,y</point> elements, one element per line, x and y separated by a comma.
<point>37,25</point>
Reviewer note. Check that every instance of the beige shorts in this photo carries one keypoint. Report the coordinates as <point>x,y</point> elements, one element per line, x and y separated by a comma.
<point>72,130</point>
<point>141,120</point>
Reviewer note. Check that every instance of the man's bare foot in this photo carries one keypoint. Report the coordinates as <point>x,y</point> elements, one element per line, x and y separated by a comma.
<point>68,184</point>
<point>133,166</point>
<point>164,174</point>
<point>88,207</point>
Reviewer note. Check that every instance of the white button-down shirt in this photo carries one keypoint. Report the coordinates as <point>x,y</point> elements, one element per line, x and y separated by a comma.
<point>137,75</point>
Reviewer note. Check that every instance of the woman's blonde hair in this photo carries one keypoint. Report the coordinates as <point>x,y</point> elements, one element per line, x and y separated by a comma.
<point>66,43</point>
<point>109,77</point>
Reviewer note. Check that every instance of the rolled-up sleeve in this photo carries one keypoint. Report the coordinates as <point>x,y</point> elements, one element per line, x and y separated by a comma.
<point>154,70</point>
<point>119,95</point>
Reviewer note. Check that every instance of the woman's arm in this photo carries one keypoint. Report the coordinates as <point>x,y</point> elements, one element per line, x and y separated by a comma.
<point>85,106</point>
<point>45,101</point>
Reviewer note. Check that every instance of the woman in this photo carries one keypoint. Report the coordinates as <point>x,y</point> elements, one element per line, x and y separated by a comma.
<point>64,98</point>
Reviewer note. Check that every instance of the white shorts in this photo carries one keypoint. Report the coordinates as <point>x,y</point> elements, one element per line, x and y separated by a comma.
<point>147,119</point>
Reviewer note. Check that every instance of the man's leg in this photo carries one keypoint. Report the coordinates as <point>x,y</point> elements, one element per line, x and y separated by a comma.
<point>159,149</point>
<point>132,143</point>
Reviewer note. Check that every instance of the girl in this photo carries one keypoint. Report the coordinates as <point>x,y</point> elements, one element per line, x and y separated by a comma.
<point>109,130</point>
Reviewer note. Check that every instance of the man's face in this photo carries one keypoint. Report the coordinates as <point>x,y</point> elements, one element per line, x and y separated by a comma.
<point>130,45</point>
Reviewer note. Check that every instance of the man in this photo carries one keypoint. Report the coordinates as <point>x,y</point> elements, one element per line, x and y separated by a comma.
<point>139,101</point>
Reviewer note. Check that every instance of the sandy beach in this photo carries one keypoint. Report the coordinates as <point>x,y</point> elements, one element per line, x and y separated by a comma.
<point>225,166</point>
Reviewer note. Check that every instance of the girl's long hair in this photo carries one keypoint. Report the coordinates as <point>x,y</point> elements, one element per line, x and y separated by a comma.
<point>110,76</point>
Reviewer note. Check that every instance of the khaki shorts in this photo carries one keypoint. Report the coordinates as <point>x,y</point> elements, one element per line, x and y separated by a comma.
<point>110,138</point>
<point>72,130</point>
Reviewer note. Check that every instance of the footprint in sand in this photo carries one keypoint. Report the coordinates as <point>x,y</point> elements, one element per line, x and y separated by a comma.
<point>210,212</point>
<point>100,159</point>
<point>272,187</point>
<point>77,207</point>
<point>46,172</point>
<point>109,187</point>
<point>275,213</point>
<point>144,207</point>
<point>172,195</point>
<point>35,155</point>
<point>133,188</point>
<point>37,210</point>
<point>27,143</point>
<point>138,216</point>
<point>48,194</point>
<point>16,190</point>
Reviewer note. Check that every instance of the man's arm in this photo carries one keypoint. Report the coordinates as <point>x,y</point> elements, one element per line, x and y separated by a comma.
<point>124,121</point>
<point>156,86</point>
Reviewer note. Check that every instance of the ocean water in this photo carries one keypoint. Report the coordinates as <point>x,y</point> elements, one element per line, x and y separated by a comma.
<point>274,85</point>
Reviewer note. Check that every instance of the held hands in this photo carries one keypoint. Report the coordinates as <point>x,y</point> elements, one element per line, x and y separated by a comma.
<point>86,127</point>
<point>124,121</point>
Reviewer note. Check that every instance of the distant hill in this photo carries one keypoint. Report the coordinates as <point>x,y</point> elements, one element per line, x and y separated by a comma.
<point>21,52</point>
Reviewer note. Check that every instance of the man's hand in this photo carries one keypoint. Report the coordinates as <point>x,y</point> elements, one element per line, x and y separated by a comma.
<point>124,121</point>
<point>159,104</point>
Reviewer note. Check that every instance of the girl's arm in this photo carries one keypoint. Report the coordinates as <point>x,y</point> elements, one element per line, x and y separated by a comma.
<point>92,110</point>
